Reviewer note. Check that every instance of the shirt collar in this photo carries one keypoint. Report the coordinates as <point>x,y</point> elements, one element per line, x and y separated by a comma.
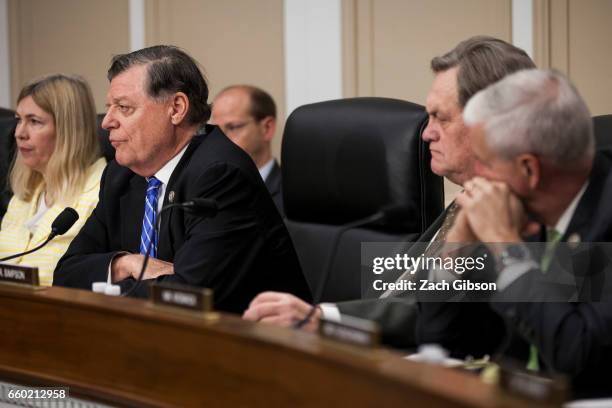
<point>165,172</point>
<point>266,169</point>
<point>567,215</point>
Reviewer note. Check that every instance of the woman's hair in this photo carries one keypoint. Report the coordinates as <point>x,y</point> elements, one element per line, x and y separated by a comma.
<point>68,99</point>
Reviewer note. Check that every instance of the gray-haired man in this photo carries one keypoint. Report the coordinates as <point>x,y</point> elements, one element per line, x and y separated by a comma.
<point>533,140</point>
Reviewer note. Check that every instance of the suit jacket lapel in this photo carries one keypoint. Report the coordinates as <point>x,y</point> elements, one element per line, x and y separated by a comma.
<point>273,182</point>
<point>435,226</point>
<point>418,247</point>
<point>132,211</point>
<point>585,261</point>
<point>582,224</point>
<point>165,242</point>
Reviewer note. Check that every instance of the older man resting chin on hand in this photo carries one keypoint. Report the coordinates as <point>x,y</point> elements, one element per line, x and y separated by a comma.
<point>533,139</point>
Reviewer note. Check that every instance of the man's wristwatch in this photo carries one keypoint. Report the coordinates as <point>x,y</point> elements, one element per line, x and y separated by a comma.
<point>513,254</point>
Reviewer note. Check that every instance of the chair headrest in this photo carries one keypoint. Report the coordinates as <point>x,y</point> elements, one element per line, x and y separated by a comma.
<point>347,159</point>
<point>6,113</point>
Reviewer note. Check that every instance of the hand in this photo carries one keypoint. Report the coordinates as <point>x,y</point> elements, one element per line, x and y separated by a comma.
<point>281,309</point>
<point>129,265</point>
<point>461,232</point>
<point>493,212</point>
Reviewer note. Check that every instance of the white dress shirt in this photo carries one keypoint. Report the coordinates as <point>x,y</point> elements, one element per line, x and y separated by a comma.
<point>163,175</point>
<point>266,169</point>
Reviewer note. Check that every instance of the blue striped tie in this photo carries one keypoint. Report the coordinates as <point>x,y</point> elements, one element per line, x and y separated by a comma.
<point>148,222</point>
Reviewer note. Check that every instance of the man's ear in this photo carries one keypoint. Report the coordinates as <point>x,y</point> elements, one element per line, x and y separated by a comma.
<point>269,127</point>
<point>179,107</point>
<point>531,170</point>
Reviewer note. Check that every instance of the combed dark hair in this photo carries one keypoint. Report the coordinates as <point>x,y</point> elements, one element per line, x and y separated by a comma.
<point>262,104</point>
<point>169,70</point>
<point>482,61</point>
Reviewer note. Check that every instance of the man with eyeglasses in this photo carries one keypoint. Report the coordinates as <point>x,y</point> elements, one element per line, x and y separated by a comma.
<point>247,115</point>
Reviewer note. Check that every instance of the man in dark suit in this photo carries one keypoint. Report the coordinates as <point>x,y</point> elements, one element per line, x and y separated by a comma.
<point>471,66</point>
<point>247,115</point>
<point>532,135</point>
<point>156,104</point>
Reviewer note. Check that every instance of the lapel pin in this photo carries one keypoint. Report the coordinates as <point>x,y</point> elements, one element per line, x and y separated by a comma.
<point>171,195</point>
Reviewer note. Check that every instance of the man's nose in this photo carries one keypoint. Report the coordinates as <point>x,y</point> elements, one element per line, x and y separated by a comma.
<point>109,121</point>
<point>430,134</point>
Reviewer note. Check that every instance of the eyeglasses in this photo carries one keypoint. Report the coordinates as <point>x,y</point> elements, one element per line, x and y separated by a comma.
<point>235,127</point>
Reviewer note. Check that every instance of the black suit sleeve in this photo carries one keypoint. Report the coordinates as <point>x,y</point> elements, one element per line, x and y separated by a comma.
<point>396,315</point>
<point>221,252</point>
<point>571,338</point>
<point>88,257</point>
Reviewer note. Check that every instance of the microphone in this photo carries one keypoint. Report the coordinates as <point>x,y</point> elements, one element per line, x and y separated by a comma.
<point>201,207</point>
<point>204,207</point>
<point>64,221</point>
<point>393,213</point>
<point>60,226</point>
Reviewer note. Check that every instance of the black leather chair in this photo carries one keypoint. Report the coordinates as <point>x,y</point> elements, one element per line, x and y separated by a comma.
<point>6,113</point>
<point>347,159</point>
<point>602,126</point>
<point>7,152</point>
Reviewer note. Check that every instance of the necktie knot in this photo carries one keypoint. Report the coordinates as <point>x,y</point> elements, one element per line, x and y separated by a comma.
<point>153,183</point>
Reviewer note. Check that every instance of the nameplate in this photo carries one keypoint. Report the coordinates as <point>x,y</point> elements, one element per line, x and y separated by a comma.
<point>351,330</point>
<point>182,296</point>
<point>533,386</point>
<point>20,274</point>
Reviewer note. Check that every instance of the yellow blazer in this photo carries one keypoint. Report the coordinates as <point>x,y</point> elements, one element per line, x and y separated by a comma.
<point>15,237</point>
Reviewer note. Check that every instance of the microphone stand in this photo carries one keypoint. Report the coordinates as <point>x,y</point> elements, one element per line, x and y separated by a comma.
<point>49,238</point>
<point>61,224</point>
<point>188,207</point>
<point>328,262</point>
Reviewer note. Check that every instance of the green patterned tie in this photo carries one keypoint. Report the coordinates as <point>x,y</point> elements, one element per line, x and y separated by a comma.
<point>552,239</point>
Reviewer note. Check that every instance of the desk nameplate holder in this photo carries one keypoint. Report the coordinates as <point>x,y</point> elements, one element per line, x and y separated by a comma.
<point>19,275</point>
<point>533,386</point>
<point>182,298</point>
<point>352,330</point>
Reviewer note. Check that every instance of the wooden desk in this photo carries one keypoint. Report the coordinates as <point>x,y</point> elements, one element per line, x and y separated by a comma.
<point>127,352</point>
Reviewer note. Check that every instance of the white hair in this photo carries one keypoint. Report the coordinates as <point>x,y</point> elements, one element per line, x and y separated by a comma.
<point>534,111</point>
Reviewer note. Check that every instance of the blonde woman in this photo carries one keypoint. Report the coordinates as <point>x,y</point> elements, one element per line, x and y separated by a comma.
<point>58,164</point>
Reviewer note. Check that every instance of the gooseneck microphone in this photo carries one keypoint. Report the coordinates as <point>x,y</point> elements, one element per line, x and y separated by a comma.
<point>201,207</point>
<point>60,226</point>
<point>390,213</point>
